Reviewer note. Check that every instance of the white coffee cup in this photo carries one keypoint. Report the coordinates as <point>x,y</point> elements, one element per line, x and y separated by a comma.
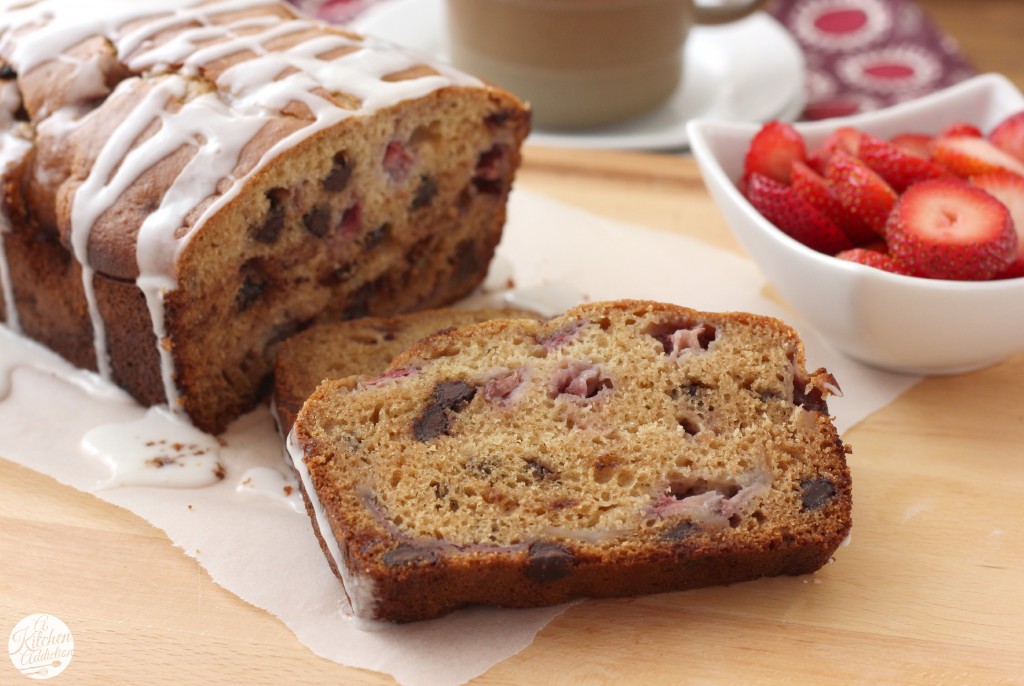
<point>581,63</point>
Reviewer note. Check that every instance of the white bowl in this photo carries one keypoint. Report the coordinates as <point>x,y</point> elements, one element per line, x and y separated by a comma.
<point>900,323</point>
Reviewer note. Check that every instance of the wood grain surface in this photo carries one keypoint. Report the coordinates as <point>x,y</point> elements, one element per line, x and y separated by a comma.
<point>929,590</point>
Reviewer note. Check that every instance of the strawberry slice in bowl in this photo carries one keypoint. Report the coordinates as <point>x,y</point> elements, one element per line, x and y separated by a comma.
<point>781,205</point>
<point>1008,189</point>
<point>875,315</point>
<point>949,229</point>
<point>773,150</point>
<point>969,156</point>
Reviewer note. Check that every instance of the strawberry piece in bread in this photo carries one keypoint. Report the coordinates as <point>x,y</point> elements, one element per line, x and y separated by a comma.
<point>773,150</point>
<point>949,229</point>
<point>794,216</point>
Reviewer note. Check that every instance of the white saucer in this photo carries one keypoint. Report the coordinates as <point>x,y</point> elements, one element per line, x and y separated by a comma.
<point>751,70</point>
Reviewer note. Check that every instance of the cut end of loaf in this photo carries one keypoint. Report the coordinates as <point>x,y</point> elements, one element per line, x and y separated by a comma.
<point>623,448</point>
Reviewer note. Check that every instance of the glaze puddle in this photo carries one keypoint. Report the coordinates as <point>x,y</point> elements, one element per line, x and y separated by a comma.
<point>157,450</point>
<point>271,485</point>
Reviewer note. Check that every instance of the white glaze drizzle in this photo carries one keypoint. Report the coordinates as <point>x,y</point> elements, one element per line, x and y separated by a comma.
<point>157,450</point>
<point>14,146</point>
<point>18,351</point>
<point>359,589</point>
<point>269,484</point>
<point>218,125</point>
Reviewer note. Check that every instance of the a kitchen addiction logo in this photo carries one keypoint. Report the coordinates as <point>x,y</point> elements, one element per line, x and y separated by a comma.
<point>41,646</point>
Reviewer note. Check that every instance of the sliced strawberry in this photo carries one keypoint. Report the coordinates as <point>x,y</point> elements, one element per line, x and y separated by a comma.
<point>783,207</point>
<point>961,128</point>
<point>862,193</point>
<point>844,138</point>
<point>1008,136</point>
<point>872,258</point>
<point>967,156</point>
<point>898,168</point>
<point>773,150</point>
<point>817,192</point>
<point>916,144</point>
<point>1014,271</point>
<point>814,189</point>
<point>1008,189</point>
<point>948,229</point>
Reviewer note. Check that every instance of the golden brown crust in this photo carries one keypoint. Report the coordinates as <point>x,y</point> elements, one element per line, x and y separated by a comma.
<point>392,207</point>
<point>624,448</point>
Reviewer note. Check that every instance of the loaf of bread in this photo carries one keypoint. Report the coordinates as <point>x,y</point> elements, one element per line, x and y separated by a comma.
<point>623,448</point>
<point>364,346</point>
<point>188,182</point>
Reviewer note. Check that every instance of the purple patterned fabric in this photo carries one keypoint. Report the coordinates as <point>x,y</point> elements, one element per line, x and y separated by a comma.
<point>860,54</point>
<point>866,54</point>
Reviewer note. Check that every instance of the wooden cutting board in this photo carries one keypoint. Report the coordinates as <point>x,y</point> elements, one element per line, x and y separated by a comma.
<point>929,590</point>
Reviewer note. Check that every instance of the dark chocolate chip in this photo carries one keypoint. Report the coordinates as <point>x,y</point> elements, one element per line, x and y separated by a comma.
<point>270,230</point>
<point>548,561</point>
<point>468,262</point>
<point>447,399</point>
<point>335,276</point>
<point>691,389</point>
<point>488,186</point>
<point>254,282</point>
<point>425,192</point>
<point>337,179</point>
<point>248,294</point>
<point>7,73</point>
<point>813,400</point>
<point>498,118</point>
<point>287,330</point>
<point>409,554</point>
<point>418,251</point>
<point>359,301</point>
<point>432,423</point>
<point>377,236</point>
<point>681,531</point>
<point>541,471</point>
<point>318,220</point>
<point>816,492</point>
<point>454,395</point>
